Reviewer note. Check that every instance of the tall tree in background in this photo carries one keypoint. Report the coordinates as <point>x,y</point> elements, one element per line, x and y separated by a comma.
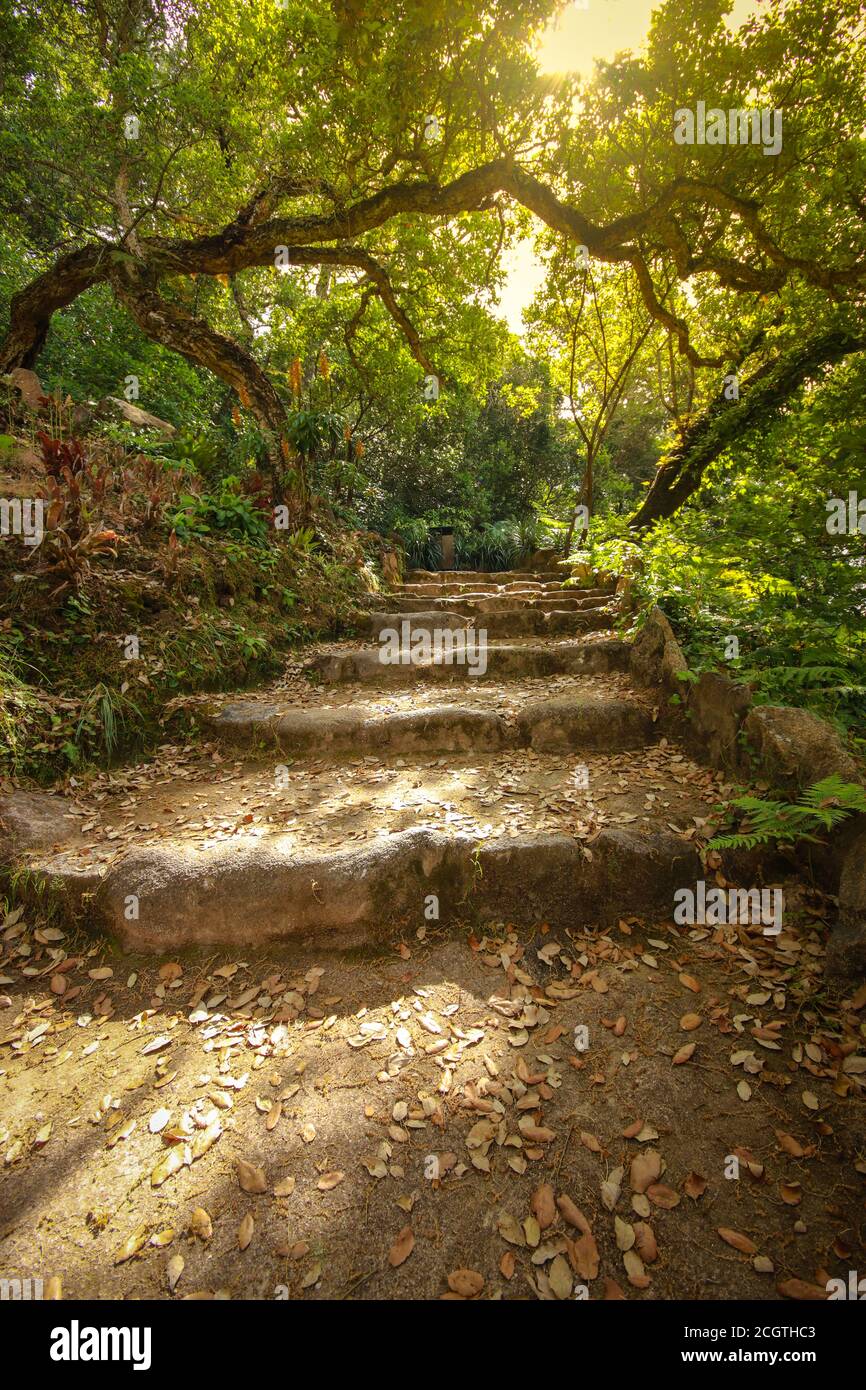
<point>592,325</point>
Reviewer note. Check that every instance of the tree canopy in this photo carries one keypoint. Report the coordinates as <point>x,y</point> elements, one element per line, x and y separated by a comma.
<point>256,183</point>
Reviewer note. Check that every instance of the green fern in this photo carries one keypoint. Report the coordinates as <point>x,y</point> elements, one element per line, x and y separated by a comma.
<point>820,807</point>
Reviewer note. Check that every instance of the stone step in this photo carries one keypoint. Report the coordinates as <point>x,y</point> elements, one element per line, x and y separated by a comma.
<point>575,722</point>
<point>256,850</point>
<point>572,600</point>
<point>499,662</point>
<point>483,576</point>
<point>516,588</point>
<point>248,890</point>
<point>529,622</point>
<point>555,603</point>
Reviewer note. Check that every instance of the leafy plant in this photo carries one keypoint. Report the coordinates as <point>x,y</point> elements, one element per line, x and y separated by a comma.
<point>71,558</point>
<point>103,715</point>
<point>229,510</point>
<point>302,541</point>
<point>821,807</point>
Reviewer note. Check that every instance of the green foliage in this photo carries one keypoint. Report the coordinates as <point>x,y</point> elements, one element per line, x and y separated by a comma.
<point>228,510</point>
<point>750,556</point>
<point>823,806</point>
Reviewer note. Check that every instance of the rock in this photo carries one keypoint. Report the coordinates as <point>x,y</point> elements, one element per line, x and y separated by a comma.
<point>547,877</point>
<point>656,658</point>
<point>232,894</point>
<point>428,621</point>
<point>29,386</point>
<point>503,662</point>
<point>334,732</point>
<point>717,706</point>
<point>34,821</point>
<point>846,950</point>
<point>541,560</point>
<point>142,419</point>
<point>390,561</point>
<point>793,748</point>
<point>591,722</point>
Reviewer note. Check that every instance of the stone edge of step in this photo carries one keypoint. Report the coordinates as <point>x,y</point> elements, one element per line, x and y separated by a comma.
<point>567,723</point>
<point>227,894</point>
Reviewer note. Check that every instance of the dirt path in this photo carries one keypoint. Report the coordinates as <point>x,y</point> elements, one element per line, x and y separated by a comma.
<point>346,1082</point>
<point>646,1111</point>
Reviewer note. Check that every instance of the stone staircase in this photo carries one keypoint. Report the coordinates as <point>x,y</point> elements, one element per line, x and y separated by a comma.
<point>371,798</point>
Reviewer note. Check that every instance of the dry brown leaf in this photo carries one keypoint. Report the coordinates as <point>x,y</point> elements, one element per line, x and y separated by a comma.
<point>790,1145</point>
<point>402,1247</point>
<point>274,1114</point>
<point>663,1196</point>
<point>625,1236</point>
<point>584,1256</point>
<point>799,1289</point>
<point>251,1178</point>
<point>637,1275</point>
<point>328,1181</point>
<point>572,1214</point>
<point>645,1169</point>
<point>245,1231</point>
<point>645,1242</point>
<point>695,1185</point>
<point>738,1241</point>
<point>560,1278</point>
<point>510,1229</point>
<point>542,1206</point>
<point>468,1283</point>
<point>200,1224</point>
<point>131,1245</point>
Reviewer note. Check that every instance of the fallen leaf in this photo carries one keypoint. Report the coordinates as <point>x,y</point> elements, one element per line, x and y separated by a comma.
<point>559,1276</point>
<point>245,1231</point>
<point>695,1185</point>
<point>543,1206</point>
<point>584,1256</point>
<point>402,1247</point>
<point>572,1214</point>
<point>251,1178</point>
<point>174,1270</point>
<point>799,1289</point>
<point>200,1224</point>
<point>739,1242</point>
<point>328,1181</point>
<point>468,1283</point>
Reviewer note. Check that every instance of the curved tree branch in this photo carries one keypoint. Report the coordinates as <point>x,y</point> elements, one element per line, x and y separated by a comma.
<point>761,396</point>
<point>174,327</point>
